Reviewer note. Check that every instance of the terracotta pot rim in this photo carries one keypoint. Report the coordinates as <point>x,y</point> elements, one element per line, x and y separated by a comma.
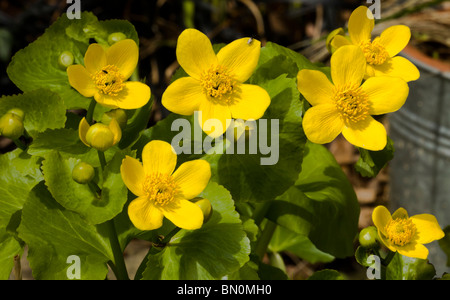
<point>416,54</point>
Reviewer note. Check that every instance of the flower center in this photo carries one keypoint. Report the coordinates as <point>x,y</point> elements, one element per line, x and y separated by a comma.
<point>160,188</point>
<point>351,102</point>
<point>374,52</point>
<point>109,80</point>
<point>218,84</point>
<point>400,231</point>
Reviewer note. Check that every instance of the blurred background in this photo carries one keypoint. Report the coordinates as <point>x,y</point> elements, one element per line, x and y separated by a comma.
<point>301,25</point>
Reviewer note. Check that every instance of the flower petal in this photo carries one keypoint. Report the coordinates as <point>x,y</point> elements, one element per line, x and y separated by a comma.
<point>195,53</point>
<point>134,95</point>
<point>214,119</point>
<point>144,215</point>
<point>240,57</point>
<point>368,134</point>
<point>397,67</point>
<point>381,217</point>
<point>428,228</point>
<point>82,131</point>
<point>184,214</point>
<point>315,87</point>
<point>322,123</point>
<point>360,26</point>
<point>159,157</point>
<point>395,38</point>
<point>183,96</point>
<point>94,58</point>
<point>339,41</point>
<point>124,55</point>
<point>348,66</point>
<point>192,177</point>
<point>414,250</point>
<point>115,129</point>
<point>385,94</point>
<point>133,175</point>
<point>251,103</point>
<point>400,213</point>
<point>80,79</point>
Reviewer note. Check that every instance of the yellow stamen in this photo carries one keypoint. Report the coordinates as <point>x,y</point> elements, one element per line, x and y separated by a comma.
<point>374,52</point>
<point>109,80</point>
<point>218,84</point>
<point>351,102</point>
<point>400,231</point>
<point>160,188</point>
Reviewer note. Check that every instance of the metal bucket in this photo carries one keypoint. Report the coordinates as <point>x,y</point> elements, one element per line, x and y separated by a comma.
<point>420,170</point>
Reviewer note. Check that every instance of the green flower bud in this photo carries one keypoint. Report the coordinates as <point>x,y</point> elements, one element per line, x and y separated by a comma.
<point>115,37</point>
<point>11,126</point>
<point>119,114</point>
<point>368,237</point>
<point>100,137</point>
<point>18,112</point>
<point>65,59</point>
<point>83,173</point>
<point>205,206</point>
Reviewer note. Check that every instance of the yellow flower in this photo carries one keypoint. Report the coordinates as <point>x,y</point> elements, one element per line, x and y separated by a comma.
<point>105,73</point>
<point>161,191</point>
<point>406,234</point>
<point>345,105</point>
<point>99,136</point>
<point>215,85</point>
<point>380,53</point>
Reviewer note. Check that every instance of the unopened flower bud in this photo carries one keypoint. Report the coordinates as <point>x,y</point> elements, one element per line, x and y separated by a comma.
<point>119,114</point>
<point>100,136</point>
<point>83,173</point>
<point>18,112</point>
<point>368,237</point>
<point>205,206</point>
<point>330,37</point>
<point>11,126</point>
<point>115,37</point>
<point>65,59</point>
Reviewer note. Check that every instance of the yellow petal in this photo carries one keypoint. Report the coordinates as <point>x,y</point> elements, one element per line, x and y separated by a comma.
<point>214,118</point>
<point>397,67</point>
<point>340,41</point>
<point>115,129</point>
<point>395,38</point>
<point>251,103</point>
<point>315,87</point>
<point>80,79</point>
<point>184,214</point>
<point>183,96</point>
<point>124,55</point>
<point>133,175</point>
<point>385,94</point>
<point>134,95</point>
<point>192,177</point>
<point>240,57</point>
<point>95,58</point>
<point>195,53</point>
<point>400,213</point>
<point>414,250</point>
<point>144,215</point>
<point>322,123</point>
<point>427,227</point>
<point>82,131</point>
<point>159,157</point>
<point>368,134</point>
<point>348,66</point>
<point>381,217</point>
<point>360,26</point>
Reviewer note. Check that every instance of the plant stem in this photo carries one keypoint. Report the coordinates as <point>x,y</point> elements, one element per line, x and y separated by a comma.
<point>264,239</point>
<point>20,145</point>
<point>102,159</point>
<point>90,112</point>
<point>167,238</point>
<point>119,268</point>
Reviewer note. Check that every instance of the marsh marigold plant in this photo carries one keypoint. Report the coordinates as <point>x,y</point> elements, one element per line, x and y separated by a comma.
<point>381,52</point>
<point>105,73</point>
<point>215,85</point>
<point>345,105</point>
<point>161,191</point>
<point>405,234</point>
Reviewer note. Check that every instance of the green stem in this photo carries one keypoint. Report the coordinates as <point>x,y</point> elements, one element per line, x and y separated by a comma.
<point>90,112</point>
<point>20,144</point>
<point>119,268</point>
<point>102,159</point>
<point>167,238</point>
<point>264,239</point>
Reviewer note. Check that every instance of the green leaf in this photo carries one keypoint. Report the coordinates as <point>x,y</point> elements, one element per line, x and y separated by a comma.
<point>9,248</point>
<point>322,204</point>
<point>370,163</point>
<point>79,197</point>
<point>53,234</point>
<point>444,243</point>
<point>407,268</point>
<point>219,248</point>
<point>326,274</point>
<point>43,109</point>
